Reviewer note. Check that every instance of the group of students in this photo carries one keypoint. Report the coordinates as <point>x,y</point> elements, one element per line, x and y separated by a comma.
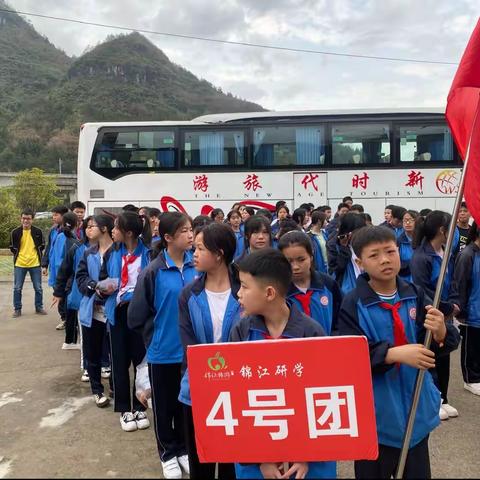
<point>154,283</point>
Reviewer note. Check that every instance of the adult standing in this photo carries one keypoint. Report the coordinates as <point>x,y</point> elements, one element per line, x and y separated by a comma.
<point>27,244</point>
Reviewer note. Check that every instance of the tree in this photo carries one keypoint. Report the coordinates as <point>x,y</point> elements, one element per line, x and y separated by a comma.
<point>33,189</point>
<point>9,217</point>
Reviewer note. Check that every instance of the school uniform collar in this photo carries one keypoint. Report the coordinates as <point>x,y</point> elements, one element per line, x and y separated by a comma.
<point>403,238</point>
<point>168,263</point>
<point>317,282</point>
<point>427,248</point>
<point>199,284</point>
<point>293,329</point>
<point>368,296</point>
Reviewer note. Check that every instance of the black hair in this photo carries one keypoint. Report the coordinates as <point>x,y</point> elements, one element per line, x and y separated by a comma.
<point>61,209</point>
<point>324,208</point>
<point>171,222</point>
<point>473,233</point>
<point>371,234</point>
<point>77,204</point>
<point>389,207</point>
<point>398,212</point>
<point>306,206</point>
<point>236,206</point>
<point>198,222</point>
<point>425,211</point>
<point>130,222</point>
<point>464,205</point>
<point>342,205</point>
<point>367,217</point>
<point>219,238</point>
<point>256,224</point>
<point>266,213</point>
<point>283,207</point>
<point>28,211</point>
<point>250,211</point>
<point>318,217</point>
<point>69,221</point>
<point>428,227</point>
<point>345,199</point>
<point>350,222</point>
<point>287,225</point>
<point>231,213</point>
<point>359,208</point>
<point>413,213</point>
<point>280,203</point>
<point>295,237</point>
<point>103,221</point>
<point>130,208</point>
<point>299,216</point>
<point>153,212</point>
<point>144,208</point>
<point>215,212</point>
<point>268,265</point>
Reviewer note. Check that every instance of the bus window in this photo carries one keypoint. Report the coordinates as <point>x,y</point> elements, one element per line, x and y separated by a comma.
<point>360,144</point>
<point>288,146</point>
<point>424,143</point>
<point>214,148</point>
<point>134,150</point>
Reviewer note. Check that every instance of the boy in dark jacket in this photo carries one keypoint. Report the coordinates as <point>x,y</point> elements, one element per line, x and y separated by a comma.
<point>265,276</point>
<point>394,315</point>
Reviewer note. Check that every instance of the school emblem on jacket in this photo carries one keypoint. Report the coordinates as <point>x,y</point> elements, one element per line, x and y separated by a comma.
<point>324,300</point>
<point>413,313</point>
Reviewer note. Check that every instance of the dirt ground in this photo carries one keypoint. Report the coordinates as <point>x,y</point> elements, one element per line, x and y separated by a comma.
<point>50,426</point>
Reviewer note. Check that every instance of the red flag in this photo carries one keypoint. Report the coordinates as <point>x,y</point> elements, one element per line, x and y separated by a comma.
<point>461,113</point>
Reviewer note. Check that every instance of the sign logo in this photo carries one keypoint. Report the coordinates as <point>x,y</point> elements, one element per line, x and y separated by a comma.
<point>447,182</point>
<point>216,363</point>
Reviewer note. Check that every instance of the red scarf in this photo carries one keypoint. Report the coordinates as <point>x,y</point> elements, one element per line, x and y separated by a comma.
<point>126,261</point>
<point>304,299</point>
<point>399,335</point>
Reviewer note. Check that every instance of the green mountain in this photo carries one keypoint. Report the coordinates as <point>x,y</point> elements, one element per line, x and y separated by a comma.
<point>45,96</point>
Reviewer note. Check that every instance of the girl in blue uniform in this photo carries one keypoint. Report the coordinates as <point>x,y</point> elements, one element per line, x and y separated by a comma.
<point>314,293</point>
<point>404,242</point>
<point>235,219</point>
<point>208,309</point>
<point>319,241</point>
<point>153,312</point>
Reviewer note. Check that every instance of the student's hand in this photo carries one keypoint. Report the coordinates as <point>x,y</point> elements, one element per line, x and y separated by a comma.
<point>271,470</point>
<point>44,271</point>
<point>55,301</point>
<point>435,322</point>
<point>300,469</point>
<point>414,354</point>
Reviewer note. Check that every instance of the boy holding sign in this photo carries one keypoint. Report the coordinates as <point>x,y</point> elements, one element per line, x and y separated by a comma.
<point>265,276</point>
<point>394,315</point>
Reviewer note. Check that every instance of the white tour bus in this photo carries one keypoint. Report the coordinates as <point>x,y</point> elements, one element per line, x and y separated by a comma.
<point>378,157</point>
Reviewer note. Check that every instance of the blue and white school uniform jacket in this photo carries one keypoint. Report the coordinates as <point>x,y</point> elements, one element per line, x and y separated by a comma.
<point>56,255</point>
<point>253,328</point>
<point>240,237</point>
<point>340,265</point>
<point>196,325</point>
<point>425,267</point>
<point>405,250</point>
<point>153,309</point>
<point>324,303</point>
<point>393,385</point>
<point>112,268</point>
<point>467,285</point>
<point>320,262</point>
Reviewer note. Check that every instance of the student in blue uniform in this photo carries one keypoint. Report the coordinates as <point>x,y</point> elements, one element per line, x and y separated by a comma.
<point>394,316</point>
<point>318,237</point>
<point>341,258</point>
<point>234,220</point>
<point>467,286</point>
<point>91,313</point>
<point>258,234</point>
<point>208,309</point>
<point>314,293</point>
<point>126,259</point>
<point>265,277</point>
<point>153,312</point>
<point>281,213</point>
<point>397,220</point>
<point>404,242</point>
<point>430,238</point>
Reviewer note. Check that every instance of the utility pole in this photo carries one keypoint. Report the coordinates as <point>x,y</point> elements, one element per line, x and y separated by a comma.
<point>60,166</point>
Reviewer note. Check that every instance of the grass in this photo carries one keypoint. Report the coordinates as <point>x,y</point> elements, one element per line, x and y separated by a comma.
<point>6,265</point>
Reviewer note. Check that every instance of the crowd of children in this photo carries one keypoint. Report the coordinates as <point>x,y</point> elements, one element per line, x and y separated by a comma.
<point>144,285</point>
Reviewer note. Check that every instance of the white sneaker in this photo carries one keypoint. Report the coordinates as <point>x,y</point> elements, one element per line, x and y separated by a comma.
<point>171,468</point>
<point>472,387</point>
<point>183,461</point>
<point>443,414</point>
<point>101,400</point>
<point>60,326</point>
<point>141,419</point>
<point>106,372</point>
<point>127,421</point>
<point>85,377</point>
<point>71,346</point>
<point>451,411</point>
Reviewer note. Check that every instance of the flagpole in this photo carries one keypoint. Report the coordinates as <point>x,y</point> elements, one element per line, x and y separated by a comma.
<point>436,302</point>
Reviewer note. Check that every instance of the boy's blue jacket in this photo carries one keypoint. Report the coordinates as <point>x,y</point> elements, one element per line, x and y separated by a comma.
<point>153,309</point>
<point>58,249</point>
<point>324,303</point>
<point>393,386</point>
<point>425,268</point>
<point>321,263</point>
<point>52,236</point>
<point>240,237</point>
<point>196,322</point>
<point>467,285</point>
<point>340,264</point>
<point>253,328</point>
<point>405,250</point>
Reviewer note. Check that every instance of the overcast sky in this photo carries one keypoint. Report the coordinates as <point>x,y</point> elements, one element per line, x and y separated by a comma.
<point>420,29</point>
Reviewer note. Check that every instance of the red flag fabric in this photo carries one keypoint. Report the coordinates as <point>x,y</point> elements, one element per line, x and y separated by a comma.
<point>461,113</point>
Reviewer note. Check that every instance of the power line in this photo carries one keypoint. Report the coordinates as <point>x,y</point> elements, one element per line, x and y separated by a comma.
<point>229,42</point>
